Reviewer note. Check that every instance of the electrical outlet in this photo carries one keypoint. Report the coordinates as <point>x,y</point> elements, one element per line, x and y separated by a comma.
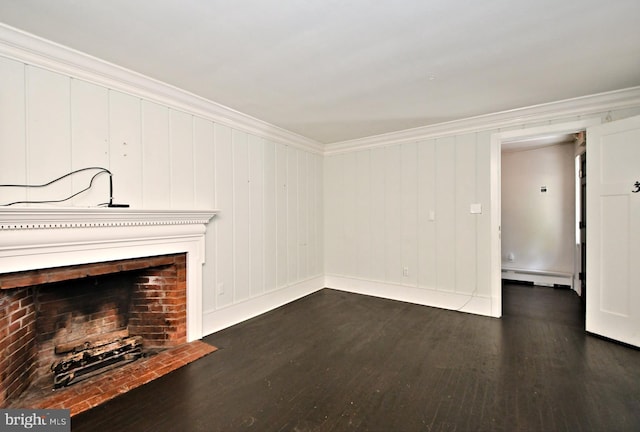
<point>220,288</point>
<point>405,271</point>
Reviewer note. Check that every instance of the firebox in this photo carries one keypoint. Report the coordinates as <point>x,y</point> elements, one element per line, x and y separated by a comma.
<point>85,308</point>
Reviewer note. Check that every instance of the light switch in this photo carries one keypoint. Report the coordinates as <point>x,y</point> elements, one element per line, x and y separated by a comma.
<point>476,208</point>
<point>432,215</point>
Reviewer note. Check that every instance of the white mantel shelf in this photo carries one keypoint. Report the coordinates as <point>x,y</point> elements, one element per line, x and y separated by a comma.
<point>67,217</point>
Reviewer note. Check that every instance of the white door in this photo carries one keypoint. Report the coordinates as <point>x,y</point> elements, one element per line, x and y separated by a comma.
<point>613,230</point>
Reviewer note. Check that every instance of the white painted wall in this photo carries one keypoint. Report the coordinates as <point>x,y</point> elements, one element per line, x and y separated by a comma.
<point>398,221</point>
<point>538,228</point>
<point>269,193</point>
<point>380,193</point>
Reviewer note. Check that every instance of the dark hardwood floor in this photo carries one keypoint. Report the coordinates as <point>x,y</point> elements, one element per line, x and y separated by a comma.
<point>335,361</point>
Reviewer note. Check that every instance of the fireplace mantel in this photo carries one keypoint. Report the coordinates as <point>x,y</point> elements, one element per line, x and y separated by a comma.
<point>39,238</point>
<point>43,218</point>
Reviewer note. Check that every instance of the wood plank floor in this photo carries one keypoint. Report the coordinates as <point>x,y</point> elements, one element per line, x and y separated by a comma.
<point>336,361</point>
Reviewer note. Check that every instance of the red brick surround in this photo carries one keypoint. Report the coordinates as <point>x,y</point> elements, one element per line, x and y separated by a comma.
<point>41,308</point>
<point>17,342</point>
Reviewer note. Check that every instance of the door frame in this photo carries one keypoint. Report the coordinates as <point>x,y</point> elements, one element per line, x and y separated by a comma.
<point>496,193</point>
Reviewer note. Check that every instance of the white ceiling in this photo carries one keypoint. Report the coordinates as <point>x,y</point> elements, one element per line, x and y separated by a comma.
<point>336,70</point>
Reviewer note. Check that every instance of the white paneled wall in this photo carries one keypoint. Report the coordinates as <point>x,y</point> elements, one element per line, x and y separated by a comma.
<point>89,136</point>
<point>155,145</point>
<point>265,246</point>
<point>398,221</point>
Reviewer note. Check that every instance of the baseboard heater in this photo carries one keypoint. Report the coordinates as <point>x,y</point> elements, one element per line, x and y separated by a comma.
<point>538,277</point>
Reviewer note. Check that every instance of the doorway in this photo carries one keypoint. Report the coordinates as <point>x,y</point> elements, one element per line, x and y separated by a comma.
<point>581,226</point>
<point>515,138</point>
<point>539,210</point>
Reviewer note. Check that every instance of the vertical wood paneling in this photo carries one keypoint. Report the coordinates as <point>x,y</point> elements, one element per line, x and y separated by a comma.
<point>303,216</point>
<point>204,164</point>
<point>465,221</point>
<point>156,165</point>
<point>393,214</point>
<point>182,164</point>
<point>256,207</point>
<point>334,215</point>
<point>319,214</point>
<point>445,213</point>
<point>312,211</point>
<point>89,140</point>
<point>363,214</point>
<point>125,149</point>
<point>209,275</point>
<point>13,150</point>
<point>483,221</point>
<point>427,244</point>
<point>282,215</point>
<point>270,218</point>
<point>48,133</point>
<point>292,215</point>
<point>350,222</point>
<point>312,240</point>
<point>409,208</point>
<point>241,216</point>
<point>204,193</point>
<point>378,214</point>
<point>224,221</point>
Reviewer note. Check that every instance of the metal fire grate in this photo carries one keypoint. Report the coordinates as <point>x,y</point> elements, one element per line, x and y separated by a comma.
<point>90,358</point>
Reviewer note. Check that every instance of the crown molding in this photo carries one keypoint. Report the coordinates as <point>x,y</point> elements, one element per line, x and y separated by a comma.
<point>581,106</point>
<point>36,51</point>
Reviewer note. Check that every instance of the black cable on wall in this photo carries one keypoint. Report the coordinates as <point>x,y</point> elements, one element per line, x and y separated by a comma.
<point>101,170</point>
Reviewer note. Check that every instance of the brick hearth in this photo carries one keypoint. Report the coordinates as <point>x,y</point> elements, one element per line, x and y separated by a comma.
<point>101,388</point>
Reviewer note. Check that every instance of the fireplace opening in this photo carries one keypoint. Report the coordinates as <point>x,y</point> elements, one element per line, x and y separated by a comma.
<point>53,320</point>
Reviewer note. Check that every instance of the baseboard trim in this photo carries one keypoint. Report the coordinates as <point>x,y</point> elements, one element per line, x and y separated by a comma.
<point>462,302</point>
<point>215,320</point>
<point>538,277</point>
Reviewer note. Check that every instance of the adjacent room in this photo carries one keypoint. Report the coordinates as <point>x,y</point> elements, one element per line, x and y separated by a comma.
<point>313,215</point>
<point>540,210</point>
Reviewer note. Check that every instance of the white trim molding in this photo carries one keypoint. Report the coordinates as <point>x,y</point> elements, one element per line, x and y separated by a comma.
<point>218,319</point>
<point>576,107</point>
<point>33,50</point>
<point>461,302</point>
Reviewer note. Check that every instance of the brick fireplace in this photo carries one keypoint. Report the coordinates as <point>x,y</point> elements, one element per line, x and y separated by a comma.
<point>67,275</point>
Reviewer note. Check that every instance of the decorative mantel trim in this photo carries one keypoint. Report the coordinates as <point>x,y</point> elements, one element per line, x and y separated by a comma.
<point>47,218</point>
